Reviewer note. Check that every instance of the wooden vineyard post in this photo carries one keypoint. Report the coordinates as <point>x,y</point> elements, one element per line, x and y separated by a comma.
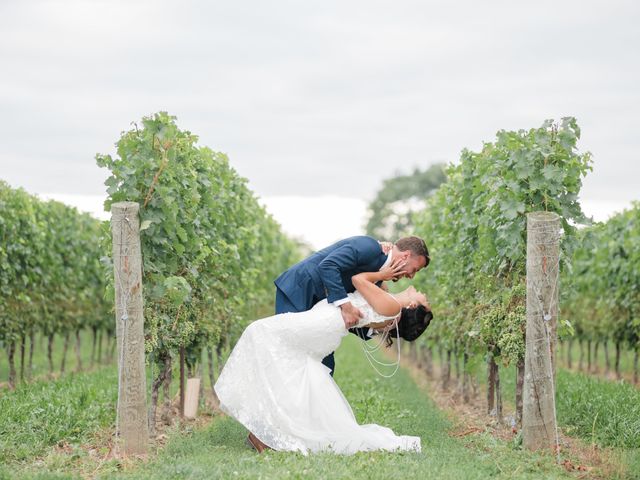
<point>131,422</point>
<point>192,396</point>
<point>539,424</point>
<point>182,359</point>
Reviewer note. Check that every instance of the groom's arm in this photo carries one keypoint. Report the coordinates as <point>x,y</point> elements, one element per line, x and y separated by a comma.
<point>350,257</point>
<point>342,259</point>
<point>346,258</point>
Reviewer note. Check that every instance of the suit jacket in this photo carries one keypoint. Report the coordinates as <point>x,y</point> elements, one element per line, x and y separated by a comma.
<point>327,273</point>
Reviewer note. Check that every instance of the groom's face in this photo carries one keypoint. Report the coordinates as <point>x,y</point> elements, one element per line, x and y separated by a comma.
<point>415,263</point>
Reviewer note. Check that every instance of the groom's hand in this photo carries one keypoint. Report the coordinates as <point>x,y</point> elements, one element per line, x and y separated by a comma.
<point>350,314</point>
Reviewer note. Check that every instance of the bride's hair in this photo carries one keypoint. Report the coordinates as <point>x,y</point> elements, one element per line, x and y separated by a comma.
<point>413,321</point>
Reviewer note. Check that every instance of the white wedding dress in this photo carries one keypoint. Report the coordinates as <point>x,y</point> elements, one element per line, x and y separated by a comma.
<point>275,385</point>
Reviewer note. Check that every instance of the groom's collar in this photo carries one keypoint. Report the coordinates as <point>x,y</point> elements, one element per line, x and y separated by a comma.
<point>388,260</point>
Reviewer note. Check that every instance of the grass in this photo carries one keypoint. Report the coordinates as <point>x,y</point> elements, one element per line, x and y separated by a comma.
<point>219,451</point>
<point>44,414</point>
<point>48,427</point>
<point>603,413</point>
<point>48,430</point>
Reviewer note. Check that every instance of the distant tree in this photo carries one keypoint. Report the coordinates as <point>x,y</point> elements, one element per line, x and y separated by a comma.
<point>303,247</point>
<point>391,211</point>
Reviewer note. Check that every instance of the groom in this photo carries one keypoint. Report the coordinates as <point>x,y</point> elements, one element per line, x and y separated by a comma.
<point>327,274</point>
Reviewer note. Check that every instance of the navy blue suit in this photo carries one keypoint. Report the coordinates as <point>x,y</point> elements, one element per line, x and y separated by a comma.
<point>327,274</point>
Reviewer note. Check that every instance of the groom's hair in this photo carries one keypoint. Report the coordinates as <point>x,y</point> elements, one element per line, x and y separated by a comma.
<point>413,321</point>
<point>415,245</point>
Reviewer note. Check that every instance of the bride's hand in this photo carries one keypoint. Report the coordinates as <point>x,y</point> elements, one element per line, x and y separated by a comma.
<point>393,271</point>
<point>386,247</point>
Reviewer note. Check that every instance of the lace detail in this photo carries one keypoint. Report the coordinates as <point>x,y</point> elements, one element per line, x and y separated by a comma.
<point>275,385</point>
<point>369,315</point>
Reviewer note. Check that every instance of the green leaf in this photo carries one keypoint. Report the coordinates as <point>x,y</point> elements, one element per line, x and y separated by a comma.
<point>553,173</point>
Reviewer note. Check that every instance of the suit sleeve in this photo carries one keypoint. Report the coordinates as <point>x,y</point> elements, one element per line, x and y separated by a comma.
<point>346,258</point>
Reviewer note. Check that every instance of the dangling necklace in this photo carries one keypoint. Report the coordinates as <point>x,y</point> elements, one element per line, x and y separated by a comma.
<point>370,351</point>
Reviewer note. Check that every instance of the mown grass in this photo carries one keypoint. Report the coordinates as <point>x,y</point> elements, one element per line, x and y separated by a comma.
<point>46,418</point>
<point>45,428</point>
<point>45,414</point>
<point>219,451</point>
<point>64,428</point>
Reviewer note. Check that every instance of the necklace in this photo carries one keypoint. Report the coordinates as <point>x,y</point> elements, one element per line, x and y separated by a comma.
<point>370,351</point>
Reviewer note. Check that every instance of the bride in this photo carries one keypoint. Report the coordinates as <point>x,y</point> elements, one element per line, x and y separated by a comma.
<point>275,384</point>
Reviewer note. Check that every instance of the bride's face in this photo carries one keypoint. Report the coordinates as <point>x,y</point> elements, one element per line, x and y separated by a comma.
<point>417,297</point>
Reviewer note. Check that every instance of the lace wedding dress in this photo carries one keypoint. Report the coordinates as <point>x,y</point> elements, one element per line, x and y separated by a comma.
<point>275,385</point>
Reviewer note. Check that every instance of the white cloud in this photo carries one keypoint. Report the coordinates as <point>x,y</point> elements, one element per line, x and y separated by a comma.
<point>319,221</point>
<point>93,204</point>
<point>315,98</point>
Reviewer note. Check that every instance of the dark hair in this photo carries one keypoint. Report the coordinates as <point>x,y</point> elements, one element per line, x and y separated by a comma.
<point>413,321</point>
<point>416,246</point>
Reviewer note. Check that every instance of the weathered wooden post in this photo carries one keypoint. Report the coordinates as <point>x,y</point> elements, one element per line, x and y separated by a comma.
<point>539,409</point>
<point>182,360</point>
<point>192,395</point>
<point>131,421</point>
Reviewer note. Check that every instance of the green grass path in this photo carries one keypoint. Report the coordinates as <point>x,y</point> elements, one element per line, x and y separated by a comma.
<point>219,451</point>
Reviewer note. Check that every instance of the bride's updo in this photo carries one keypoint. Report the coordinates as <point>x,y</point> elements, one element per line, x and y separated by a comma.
<point>413,321</point>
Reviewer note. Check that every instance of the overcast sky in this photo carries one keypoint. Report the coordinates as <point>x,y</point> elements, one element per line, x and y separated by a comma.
<point>316,99</point>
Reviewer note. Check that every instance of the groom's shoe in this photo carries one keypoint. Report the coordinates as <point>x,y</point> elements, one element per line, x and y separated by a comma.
<point>256,443</point>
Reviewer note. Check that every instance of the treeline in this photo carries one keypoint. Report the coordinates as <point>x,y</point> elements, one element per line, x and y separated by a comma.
<point>210,251</point>
<point>475,224</point>
<point>51,280</point>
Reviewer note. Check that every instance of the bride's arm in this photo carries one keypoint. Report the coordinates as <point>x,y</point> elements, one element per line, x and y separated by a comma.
<point>379,300</point>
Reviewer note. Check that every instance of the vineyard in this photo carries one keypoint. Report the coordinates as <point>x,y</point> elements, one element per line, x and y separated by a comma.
<point>476,224</point>
<point>210,250</point>
<point>51,279</point>
<point>603,304</point>
<point>210,254</point>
